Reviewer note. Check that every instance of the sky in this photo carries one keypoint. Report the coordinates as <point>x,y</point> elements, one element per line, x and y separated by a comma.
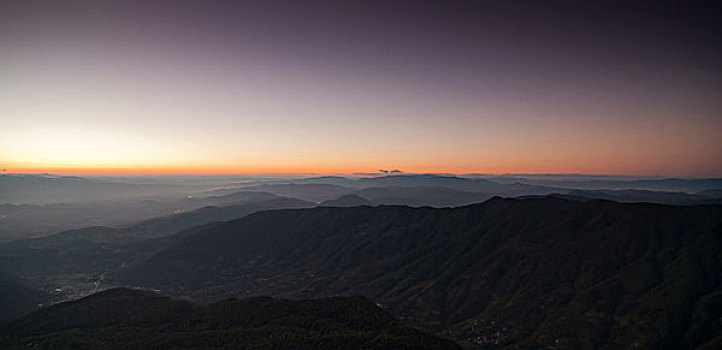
<point>353,86</point>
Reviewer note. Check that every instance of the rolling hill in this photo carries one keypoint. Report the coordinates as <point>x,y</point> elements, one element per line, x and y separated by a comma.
<point>132,319</point>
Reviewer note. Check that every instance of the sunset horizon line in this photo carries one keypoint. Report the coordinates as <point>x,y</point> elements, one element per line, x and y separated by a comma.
<point>358,173</point>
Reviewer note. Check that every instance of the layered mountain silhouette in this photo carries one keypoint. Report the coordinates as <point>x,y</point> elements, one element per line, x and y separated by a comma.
<point>349,200</point>
<point>85,254</point>
<point>710,193</point>
<point>531,272</point>
<point>421,196</point>
<point>26,221</point>
<point>132,319</point>
<point>163,225</point>
<point>328,188</point>
<point>572,181</point>
<point>308,192</point>
<point>410,196</point>
<point>661,197</point>
<point>84,202</point>
<point>46,188</point>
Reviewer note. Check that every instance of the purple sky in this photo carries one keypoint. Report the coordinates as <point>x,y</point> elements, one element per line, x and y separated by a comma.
<point>344,86</point>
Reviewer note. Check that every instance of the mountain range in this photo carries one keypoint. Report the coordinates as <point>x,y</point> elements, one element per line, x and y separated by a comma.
<point>80,202</point>
<point>520,272</point>
<point>561,268</point>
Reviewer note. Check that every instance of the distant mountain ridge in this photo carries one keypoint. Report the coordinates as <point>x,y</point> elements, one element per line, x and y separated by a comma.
<point>546,271</point>
<point>26,221</point>
<point>43,189</point>
<point>419,196</point>
<point>412,189</point>
<point>164,225</point>
<point>661,197</point>
<point>348,200</point>
<point>690,185</point>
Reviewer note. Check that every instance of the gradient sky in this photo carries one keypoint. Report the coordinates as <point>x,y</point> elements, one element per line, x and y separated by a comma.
<point>346,86</point>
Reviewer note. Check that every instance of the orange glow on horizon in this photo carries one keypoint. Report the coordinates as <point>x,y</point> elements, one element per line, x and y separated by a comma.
<point>280,170</point>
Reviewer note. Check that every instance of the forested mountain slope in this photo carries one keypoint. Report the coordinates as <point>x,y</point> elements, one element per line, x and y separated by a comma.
<point>529,272</point>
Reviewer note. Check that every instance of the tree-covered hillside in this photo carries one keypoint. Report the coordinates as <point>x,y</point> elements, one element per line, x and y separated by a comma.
<point>531,272</point>
<point>131,319</point>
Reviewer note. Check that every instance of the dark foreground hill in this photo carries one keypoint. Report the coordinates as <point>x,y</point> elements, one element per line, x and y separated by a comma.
<point>131,319</point>
<point>531,272</point>
<point>16,298</point>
